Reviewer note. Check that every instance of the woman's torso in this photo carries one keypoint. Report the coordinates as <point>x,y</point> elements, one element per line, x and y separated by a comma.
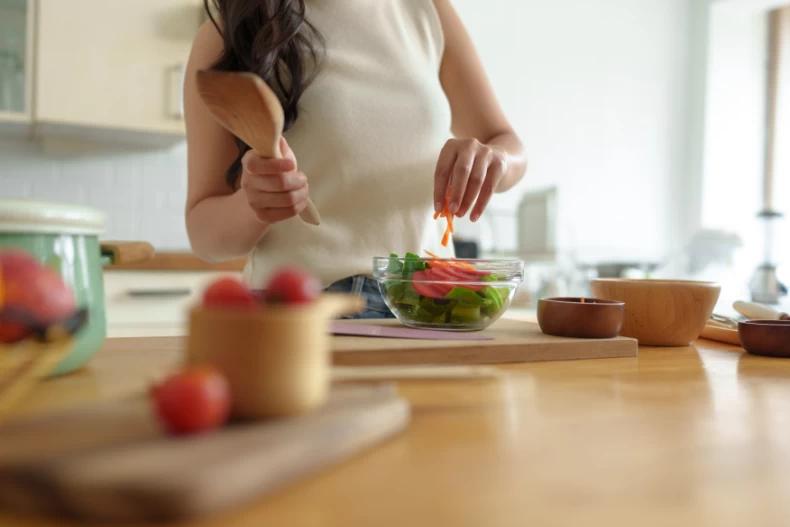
<point>369,131</point>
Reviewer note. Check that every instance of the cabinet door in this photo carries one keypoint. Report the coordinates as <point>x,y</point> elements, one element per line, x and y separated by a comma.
<point>114,64</point>
<point>16,24</point>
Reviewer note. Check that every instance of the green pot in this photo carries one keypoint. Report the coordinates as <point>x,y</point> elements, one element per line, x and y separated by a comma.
<point>66,238</point>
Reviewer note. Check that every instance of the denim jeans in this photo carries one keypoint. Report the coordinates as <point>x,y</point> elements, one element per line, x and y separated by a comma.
<point>367,288</point>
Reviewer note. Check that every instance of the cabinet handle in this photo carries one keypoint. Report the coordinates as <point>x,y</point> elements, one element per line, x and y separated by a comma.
<point>175,92</point>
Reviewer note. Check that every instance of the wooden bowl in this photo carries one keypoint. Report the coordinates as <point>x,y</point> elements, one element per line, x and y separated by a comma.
<point>766,337</point>
<point>661,312</point>
<point>276,358</point>
<point>586,318</point>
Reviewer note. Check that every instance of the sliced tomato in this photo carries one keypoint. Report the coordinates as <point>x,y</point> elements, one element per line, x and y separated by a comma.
<point>443,274</point>
<point>427,290</point>
<point>421,282</point>
<point>448,274</point>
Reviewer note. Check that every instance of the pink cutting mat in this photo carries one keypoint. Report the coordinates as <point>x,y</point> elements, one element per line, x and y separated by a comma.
<point>342,327</point>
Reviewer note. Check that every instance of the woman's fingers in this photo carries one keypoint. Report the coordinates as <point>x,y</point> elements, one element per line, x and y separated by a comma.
<point>442,175</point>
<point>255,164</point>
<point>496,171</point>
<point>475,182</point>
<point>285,150</point>
<point>282,182</point>
<point>276,200</point>
<point>461,174</point>
<point>275,190</point>
<point>280,214</point>
<point>464,163</point>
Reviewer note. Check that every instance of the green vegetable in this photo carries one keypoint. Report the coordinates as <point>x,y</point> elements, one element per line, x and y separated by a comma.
<point>411,263</point>
<point>504,293</point>
<point>410,296</point>
<point>461,306</point>
<point>465,314</point>
<point>434,307</point>
<point>395,290</point>
<point>488,308</point>
<point>465,296</point>
<point>394,267</point>
<point>495,296</point>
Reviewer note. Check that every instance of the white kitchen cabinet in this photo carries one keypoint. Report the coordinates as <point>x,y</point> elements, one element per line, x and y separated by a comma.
<point>152,303</point>
<point>107,70</point>
<point>16,58</point>
<point>113,66</point>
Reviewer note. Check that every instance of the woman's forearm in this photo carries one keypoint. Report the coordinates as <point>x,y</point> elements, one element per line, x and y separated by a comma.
<point>224,227</point>
<point>516,159</point>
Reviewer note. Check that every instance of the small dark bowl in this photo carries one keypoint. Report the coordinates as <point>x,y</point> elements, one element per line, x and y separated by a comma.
<point>591,318</point>
<point>766,337</point>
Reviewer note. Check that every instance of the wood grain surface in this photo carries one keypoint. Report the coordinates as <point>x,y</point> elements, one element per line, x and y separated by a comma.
<point>676,436</point>
<point>113,463</point>
<point>514,341</point>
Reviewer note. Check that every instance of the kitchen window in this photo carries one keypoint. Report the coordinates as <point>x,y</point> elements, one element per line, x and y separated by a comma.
<point>747,94</point>
<point>778,151</point>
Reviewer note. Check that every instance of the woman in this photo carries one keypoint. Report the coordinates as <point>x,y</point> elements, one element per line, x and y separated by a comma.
<point>388,117</point>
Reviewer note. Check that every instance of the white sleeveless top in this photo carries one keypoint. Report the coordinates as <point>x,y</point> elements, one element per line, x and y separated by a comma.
<point>368,136</point>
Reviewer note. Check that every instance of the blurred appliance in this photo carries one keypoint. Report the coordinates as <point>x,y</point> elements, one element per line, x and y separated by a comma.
<point>765,286</point>
<point>537,226</point>
<point>466,248</point>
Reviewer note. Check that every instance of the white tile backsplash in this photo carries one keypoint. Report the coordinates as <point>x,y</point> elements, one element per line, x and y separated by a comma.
<point>143,192</point>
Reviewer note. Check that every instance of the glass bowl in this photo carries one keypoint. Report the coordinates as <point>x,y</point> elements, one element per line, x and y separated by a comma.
<point>447,294</point>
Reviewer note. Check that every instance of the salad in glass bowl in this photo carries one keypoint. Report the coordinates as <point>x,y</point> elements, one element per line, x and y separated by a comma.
<point>447,294</point>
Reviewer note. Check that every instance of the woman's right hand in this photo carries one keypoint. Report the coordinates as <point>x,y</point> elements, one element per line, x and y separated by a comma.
<point>275,189</point>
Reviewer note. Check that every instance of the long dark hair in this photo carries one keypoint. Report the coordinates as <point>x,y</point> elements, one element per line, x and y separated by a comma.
<point>273,39</point>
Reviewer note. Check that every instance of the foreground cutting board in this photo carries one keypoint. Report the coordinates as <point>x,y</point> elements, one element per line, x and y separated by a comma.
<point>513,341</point>
<point>111,462</point>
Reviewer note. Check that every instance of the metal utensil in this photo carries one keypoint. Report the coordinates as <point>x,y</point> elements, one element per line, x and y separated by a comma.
<point>722,321</point>
<point>243,104</point>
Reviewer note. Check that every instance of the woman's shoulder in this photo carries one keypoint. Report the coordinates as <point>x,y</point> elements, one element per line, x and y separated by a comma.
<point>428,18</point>
<point>208,44</point>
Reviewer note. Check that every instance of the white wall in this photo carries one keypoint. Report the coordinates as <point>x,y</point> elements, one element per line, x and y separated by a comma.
<point>735,124</point>
<point>141,191</point>
<point>598,91</point>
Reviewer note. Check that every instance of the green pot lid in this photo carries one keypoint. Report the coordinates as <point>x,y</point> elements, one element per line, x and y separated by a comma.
<point>27,216</point>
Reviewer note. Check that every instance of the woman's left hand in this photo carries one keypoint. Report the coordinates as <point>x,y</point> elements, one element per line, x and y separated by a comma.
<point>468,173</point>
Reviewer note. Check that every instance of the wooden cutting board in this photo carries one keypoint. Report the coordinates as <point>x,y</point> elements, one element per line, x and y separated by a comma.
<point>513,341</point>
<point>111,462</point>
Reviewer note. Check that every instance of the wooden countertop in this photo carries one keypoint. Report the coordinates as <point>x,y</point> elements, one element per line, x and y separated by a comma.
<point>179,261</point>
<point>687,436</point>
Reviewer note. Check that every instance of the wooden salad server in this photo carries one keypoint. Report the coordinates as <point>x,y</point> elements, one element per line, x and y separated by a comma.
<point>249,109</point>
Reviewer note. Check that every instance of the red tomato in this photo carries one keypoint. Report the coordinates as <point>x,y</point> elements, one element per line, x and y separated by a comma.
<point>446,275</point>
<point>453,275</point>
<point>194,400</point>
<point>29,286</point>
<point>460,273</point>
<point>420,281</point>
<point>291,285</point>
<point>437,273</point>
<point>228,292</point>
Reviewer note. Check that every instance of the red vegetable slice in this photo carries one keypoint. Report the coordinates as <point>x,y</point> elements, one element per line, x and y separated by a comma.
<point>194,400</point>
<point>421,282</point>
<point>462,278</point>
<point>229,292</point>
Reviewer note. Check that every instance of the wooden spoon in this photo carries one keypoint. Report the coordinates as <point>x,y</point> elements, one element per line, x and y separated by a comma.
<point>248,108</point>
